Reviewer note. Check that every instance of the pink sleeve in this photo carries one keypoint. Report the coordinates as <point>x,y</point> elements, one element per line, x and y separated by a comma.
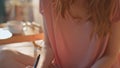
<point>115,16</point>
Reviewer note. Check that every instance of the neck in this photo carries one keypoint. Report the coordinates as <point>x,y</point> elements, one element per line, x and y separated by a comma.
<point>79,9</point>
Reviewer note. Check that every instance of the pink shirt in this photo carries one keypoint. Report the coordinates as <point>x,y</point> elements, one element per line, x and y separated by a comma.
<point>69,38</point>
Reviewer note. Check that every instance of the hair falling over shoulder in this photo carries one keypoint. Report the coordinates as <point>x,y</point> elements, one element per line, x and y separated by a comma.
<point>100,11</point>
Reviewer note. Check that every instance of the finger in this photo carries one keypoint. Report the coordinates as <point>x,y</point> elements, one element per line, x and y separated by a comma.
<point>29,67</point>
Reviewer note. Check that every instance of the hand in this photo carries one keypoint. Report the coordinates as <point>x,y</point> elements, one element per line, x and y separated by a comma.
<point>29,67</point>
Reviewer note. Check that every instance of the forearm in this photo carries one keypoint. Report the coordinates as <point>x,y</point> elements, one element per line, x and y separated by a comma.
<point>45,58</point>
<point>104,62</point>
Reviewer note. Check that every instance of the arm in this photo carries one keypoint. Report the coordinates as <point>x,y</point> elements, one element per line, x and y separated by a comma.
<point>46,55</point>
<point>112,50</point>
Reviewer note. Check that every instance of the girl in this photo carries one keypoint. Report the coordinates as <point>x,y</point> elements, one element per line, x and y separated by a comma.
<point>81,34</point>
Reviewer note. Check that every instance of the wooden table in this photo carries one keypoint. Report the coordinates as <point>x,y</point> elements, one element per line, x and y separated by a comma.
<point>22,38</point>
<point>16,38</point>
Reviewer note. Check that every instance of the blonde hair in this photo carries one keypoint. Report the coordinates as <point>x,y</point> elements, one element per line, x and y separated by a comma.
<point>100,11</point>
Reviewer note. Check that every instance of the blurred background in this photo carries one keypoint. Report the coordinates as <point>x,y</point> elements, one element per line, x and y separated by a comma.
<point>18,16</point>
<point>21,10</point>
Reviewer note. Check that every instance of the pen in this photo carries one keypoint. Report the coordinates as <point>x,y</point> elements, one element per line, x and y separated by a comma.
<point>36,62</point>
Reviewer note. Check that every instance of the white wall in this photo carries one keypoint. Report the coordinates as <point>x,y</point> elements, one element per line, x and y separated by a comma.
<point>37,16</point>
